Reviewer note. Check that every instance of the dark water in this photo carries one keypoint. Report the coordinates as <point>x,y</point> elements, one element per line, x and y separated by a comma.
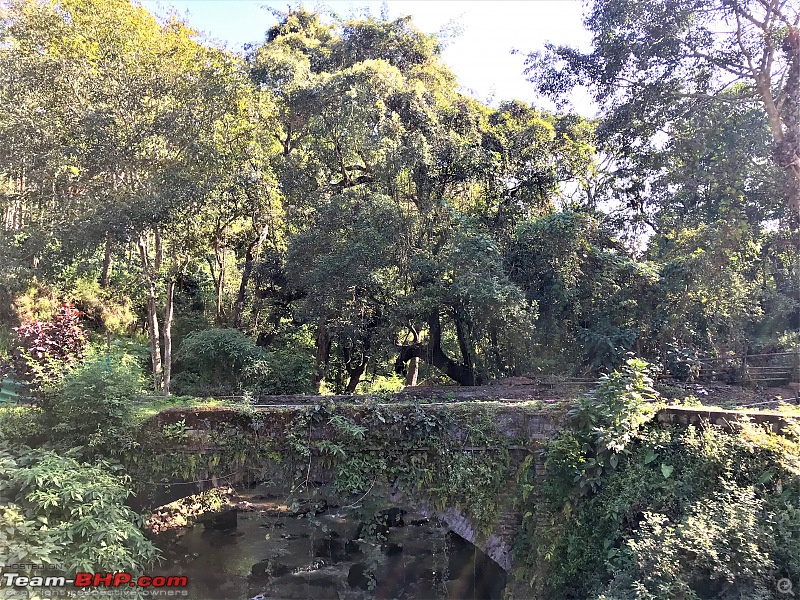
<point>272,551</point>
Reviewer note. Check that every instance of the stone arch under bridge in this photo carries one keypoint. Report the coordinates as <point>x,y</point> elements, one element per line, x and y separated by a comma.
<point>518,432</point>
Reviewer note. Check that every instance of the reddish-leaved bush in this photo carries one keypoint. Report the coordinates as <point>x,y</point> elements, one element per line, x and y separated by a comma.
<point>42,350</point>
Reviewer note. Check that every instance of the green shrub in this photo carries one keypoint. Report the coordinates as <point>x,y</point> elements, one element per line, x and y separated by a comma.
<point>104,310</point>
<point>609,418</point>
<point>20,425</point>
<point>720,548</point>
<point>280,372</point>
<point>382,384</point>
<point>123,350</point>
<point>679,513</point>
<point>186,383</point>
<point>54,509</point>
<point>218,356</point>
<point>95,406</point>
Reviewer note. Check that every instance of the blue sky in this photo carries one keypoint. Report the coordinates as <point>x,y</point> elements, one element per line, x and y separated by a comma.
<point>480,56</point>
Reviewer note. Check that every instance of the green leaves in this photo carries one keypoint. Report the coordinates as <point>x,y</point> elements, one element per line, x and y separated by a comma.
<point>288,371</point>
<point>683,511</point>
<point>219,356</point>
<point>95,407</point>
<point>725,536</point>
<point>60,511</point>
<point>681,43</point>
<point>347,428</point>
<point>610,417</point>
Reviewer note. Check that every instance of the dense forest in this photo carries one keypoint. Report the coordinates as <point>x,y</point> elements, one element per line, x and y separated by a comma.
<point>330,213</point>
<point>327,212</point>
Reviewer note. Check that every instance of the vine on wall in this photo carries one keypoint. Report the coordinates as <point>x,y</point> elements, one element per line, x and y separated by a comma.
<point>422,453</point>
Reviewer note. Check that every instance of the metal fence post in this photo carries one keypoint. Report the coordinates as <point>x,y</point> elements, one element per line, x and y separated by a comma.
<point>744,375</point>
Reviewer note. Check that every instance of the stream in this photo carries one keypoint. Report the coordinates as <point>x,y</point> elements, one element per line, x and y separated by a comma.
<point>317,552</point>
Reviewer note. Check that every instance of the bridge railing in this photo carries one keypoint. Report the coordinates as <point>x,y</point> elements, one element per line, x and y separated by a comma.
<point>769,369</point>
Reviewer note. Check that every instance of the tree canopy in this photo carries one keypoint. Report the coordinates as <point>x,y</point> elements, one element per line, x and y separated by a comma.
<point>332,195</point>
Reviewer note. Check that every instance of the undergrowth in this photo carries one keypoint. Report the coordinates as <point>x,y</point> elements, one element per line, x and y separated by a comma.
<point>632,510</point>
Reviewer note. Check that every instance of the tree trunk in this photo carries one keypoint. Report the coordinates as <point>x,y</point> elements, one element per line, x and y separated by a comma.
<point>413,364</point>
<point>105,277</point>
<point>16,218</point>
<point>323,355</point>
<point>238,306</point>
<point>355,375</point>
<point>249,260</point>
<point>790,145</point>
<point>216,278</point>
<point>355,372</point>
<point>168,336</point>
<point>498,357</point>
<point>764,87</point>
<point>433,354</point>
<point>155,342</point>
<point>152,316</point>
<point>463,374</point>
<point>159,258</point>
<point>464,342</point>
<point>220,284</point>
<point>785,114</point>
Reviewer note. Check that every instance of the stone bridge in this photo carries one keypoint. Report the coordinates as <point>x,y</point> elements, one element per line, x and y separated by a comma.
<point>236,446</point>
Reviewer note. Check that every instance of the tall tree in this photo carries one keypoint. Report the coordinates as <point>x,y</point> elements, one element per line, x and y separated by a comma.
<point>654,60</point>
<point>379,145</point>
<point>132,141</point>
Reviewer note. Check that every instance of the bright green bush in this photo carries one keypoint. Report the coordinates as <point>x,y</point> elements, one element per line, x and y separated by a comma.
<point>280,372</point>
<point>102,309</point>
<point>54,509</point>
<point>95,407</point>
<point>20,425</point>
<point>382,384</point>
<point>217,357</point>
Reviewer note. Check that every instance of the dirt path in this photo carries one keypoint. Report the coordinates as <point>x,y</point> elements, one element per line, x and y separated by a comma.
<point>523,389</point>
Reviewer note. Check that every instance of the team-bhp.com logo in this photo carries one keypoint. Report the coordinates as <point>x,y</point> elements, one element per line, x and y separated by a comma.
<point>86,580</point>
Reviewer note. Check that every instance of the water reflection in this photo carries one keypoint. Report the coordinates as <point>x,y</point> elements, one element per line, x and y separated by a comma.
<point>312,551</point>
